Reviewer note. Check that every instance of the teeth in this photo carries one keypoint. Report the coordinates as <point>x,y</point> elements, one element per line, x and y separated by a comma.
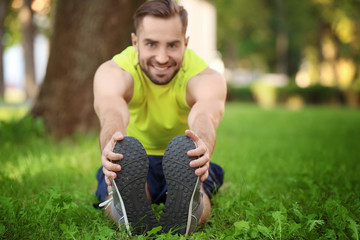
<point>161,68</point>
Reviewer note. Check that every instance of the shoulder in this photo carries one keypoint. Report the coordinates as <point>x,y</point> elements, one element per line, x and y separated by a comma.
<point>118,66</point>
<point>208,78</point>
<point>111,78</point>
<point>127,60</point>
<point>208,84</point>
<point>193,64</point>
<point>209,73</point>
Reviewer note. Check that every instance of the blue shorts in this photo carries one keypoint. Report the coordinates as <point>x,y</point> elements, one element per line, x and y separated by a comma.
<point>157,183</point>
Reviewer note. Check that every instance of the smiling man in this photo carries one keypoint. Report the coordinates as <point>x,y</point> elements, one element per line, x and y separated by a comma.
<point>147,97</point>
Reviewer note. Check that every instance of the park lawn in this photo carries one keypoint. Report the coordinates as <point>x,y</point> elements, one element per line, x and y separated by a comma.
<point>289,175</point>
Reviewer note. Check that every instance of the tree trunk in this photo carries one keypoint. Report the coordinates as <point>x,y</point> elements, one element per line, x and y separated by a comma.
<point>28,31</point>
<point>86,33</point>
<point>4,4</point>
<point>282,40</point>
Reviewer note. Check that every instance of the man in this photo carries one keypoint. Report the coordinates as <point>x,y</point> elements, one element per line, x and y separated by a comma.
<point>145,98</point>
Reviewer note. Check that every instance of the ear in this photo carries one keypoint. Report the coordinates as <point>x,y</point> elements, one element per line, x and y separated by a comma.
<point>134,41</point>
<point>187,41</point>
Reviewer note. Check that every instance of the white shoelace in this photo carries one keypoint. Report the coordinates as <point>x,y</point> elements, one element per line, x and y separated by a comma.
<point>107,202</point>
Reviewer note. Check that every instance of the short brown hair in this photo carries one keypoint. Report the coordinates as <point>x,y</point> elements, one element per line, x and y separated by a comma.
<point>162,9</point>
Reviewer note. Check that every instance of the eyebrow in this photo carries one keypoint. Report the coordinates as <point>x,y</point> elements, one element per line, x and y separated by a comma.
<point>154,41</point>
<point>150,40</point>
<point>175,42</point>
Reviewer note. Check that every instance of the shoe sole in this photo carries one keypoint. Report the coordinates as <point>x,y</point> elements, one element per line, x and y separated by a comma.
<point>181,182</point>
<point>130,183</point>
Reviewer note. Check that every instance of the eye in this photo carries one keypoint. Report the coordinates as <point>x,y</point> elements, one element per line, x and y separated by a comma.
<point>150,44</point>
<point>172,45</point>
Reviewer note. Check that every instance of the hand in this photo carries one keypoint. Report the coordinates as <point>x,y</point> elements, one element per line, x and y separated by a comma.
<point>108,155</point>
<point>201,151</point>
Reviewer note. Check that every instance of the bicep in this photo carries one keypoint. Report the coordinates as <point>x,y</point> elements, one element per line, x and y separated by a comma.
<point>112,86</point>
<point>207,88</point>
<point>207,95</point>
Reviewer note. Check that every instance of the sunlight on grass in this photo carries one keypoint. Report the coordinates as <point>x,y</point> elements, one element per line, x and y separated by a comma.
<point>288,175</point>
<point>10,113</point>
<point>282,167</point>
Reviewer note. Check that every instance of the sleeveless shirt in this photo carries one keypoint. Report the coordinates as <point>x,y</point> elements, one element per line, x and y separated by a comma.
<point>158,112</point>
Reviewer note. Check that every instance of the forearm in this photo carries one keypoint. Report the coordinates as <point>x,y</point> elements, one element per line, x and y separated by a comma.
<point>109,128</point>
<point>111,121</point>
<point>204,120</point>
<point>205,130</point>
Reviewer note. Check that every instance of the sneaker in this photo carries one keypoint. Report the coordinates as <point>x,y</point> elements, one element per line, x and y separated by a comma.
<point>130,206</point>
<point>184,204</point>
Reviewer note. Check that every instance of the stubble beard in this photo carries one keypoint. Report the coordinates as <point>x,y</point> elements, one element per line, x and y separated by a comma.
<point>153,78</point>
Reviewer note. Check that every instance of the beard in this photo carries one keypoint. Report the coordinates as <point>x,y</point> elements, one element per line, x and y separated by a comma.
<point>159,79</point>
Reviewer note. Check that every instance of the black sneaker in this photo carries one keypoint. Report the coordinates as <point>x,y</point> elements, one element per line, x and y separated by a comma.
<point>184,204</point>
<point>131,208</point>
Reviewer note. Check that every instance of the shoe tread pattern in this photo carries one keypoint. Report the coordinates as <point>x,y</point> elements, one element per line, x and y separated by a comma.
<point>131,184</point>
<point>181,180</point>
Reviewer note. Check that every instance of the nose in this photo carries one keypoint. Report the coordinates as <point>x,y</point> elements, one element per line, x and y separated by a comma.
<point>162,56</point>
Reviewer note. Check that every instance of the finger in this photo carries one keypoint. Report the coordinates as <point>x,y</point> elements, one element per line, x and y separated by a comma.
<point>117,136</point>
<point>200,146</point>
<point>109,174</point>
<point>202,170</point>
<point>201,161</point>
<point>109,165</point>
<point>205,176</point>
<point>113,156</point>
<point>192,135</point>
<point>107,181</point>
<point>199,151</point>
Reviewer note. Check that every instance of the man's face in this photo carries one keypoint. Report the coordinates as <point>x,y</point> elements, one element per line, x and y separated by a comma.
<point>161,45</point>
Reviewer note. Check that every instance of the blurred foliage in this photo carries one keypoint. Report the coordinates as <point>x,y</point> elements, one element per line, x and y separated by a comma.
<point>243,29</point>
<point>243,94</point>
<point>248,30</point>
<point>12,27</point>
<point>320,37</point>
<point>315,94</point>
<point>43,14</point>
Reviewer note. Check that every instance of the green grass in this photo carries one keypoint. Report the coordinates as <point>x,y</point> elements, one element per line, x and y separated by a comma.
<point>289,175</point>
<point>8,113</point>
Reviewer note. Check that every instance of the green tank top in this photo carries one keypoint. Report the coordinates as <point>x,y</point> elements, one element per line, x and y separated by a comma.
<point>158,112</point>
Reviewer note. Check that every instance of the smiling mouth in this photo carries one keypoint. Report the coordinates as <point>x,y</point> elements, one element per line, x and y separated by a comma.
<point>161,69</point>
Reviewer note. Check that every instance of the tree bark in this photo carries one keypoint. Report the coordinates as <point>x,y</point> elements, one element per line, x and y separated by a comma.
<point>28,31</point>
<point>282,40</point>
<point>4,4</point>
<point>86,33</point>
